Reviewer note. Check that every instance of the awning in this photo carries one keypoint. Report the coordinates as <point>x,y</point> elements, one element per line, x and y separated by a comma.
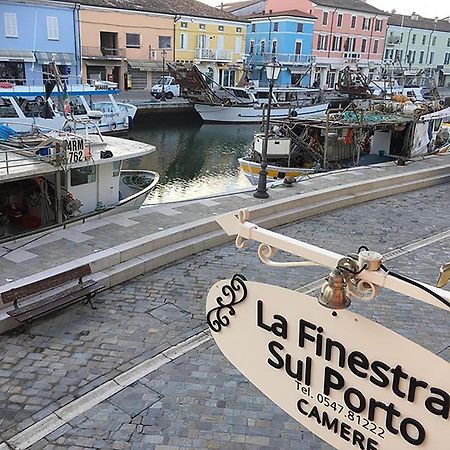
<point>296,70</point>
<point>63,59</point>
<point>16,56</point>
<point>146,65</point>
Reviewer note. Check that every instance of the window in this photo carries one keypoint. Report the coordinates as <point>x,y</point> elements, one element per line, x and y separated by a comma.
<point>220,27</point>
<point>447,58</point>
<point>10,25</point>
<point>353,24</point>
<point>252,47</point>
<point>83,175</point>
<point>274,47</point>
<point>413,57</point>
<point>227,77</point>
<point>337,43</point>
<point>183,25</point>
<point>422,54</point>
<point>275,26</point>
<point>238,30</point>
<point>413,41</point>
<point>164,42</point>
<point>448,42</point>
<point>183,41</point>
<point>434,40</point>
<point>133,40</point>
<point>401,38</point>
<point>116,168</point>
<point>431,57</point>
<point>299,28</point>
<point>366,23</point>
<point>363,45</point>
<point>378,25</point>
<point>238,44</point>
<point>262,47</point>
<point>322,42</point>
<point>253,27</point>
<point>375,46</point>
<point>339,20</point>
<point>52,28</point>
<point>202,26</point>
<point>350,44</point>
<point>325,18</point>
<point>424,39</point>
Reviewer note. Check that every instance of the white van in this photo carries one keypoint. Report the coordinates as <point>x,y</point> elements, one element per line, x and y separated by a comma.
<point>171,89</point>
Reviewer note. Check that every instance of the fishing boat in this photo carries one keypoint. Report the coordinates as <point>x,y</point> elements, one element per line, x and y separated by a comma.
<point>364,133</point>
<point>245,104</point>
<point>69,109</point>
<point>52,177</point>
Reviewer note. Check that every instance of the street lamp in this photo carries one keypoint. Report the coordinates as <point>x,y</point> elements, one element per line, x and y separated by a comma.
<point>273,69</point>
<point>163,93</point>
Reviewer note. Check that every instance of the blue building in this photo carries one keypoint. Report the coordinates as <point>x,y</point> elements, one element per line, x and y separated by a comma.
<point>32,34</point>
<point>286,35</point>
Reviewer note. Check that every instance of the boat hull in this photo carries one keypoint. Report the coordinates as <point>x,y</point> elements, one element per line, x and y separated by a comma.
<point>251,170</point>
<point>253,114</point>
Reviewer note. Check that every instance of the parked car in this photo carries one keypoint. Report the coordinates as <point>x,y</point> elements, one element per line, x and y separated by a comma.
<point>171,89</point>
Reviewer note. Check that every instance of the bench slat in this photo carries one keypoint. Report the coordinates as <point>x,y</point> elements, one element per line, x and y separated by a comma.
<point>64,299</point>
<point>51,298</point>
<point>46,284</point>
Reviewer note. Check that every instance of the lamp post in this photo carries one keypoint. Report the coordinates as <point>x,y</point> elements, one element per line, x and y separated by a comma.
<point>163,92</point>
<point>273,69</point>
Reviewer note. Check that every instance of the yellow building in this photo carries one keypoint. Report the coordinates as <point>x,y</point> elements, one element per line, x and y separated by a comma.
<point>215,46</point>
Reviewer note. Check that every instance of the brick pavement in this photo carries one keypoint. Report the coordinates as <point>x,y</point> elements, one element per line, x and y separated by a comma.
<point>200,400</point>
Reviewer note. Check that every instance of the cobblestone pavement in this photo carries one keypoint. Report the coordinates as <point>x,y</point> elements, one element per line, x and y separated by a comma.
<point>200,400</point>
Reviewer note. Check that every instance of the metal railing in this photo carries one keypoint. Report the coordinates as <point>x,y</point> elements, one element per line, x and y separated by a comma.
<point>102,52</point>
<point>283,58</point>
<point>208,54</point>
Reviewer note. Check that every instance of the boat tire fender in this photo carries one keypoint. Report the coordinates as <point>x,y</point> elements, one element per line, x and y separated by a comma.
<point>113,126</point>
<point>130,123</point>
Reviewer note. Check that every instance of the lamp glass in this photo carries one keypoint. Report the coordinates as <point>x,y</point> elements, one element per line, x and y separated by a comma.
<point>273,70</point>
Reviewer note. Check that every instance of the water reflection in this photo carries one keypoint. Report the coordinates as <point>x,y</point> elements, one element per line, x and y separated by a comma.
<point>193,159</point>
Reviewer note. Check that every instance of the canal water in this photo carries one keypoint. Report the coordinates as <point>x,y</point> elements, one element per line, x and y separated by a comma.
<point>193,159</point>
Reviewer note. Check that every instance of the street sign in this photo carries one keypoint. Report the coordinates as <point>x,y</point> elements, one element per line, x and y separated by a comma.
<point>351,381</point>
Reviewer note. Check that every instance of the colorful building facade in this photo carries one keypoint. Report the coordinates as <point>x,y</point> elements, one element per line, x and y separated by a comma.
<point>35,33</point>
<point>346,33</point>
<point>215,46</point>
<point>417,43</point>
<point>287,36</point>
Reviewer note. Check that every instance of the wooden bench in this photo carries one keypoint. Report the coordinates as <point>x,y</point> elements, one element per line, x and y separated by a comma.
<point>83,290</point>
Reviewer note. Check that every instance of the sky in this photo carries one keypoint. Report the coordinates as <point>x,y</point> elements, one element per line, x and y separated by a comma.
<point>428,8</point>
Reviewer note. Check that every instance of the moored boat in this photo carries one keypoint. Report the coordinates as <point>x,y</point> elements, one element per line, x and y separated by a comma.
<point>49,178</point>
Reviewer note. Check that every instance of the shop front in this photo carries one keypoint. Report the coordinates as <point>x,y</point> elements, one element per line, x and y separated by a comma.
<point>12,66</point>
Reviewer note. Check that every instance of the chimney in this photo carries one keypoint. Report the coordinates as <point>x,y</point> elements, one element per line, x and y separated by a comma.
<point>393,11</point>
<point>414,16</point>
<point>221,5</point>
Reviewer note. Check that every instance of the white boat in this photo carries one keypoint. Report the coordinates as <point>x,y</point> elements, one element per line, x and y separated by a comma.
<point>48,178</point>
<point>254,112</point>
<point>22,106</point>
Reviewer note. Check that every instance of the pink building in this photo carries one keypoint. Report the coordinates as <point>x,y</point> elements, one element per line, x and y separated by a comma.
<point>347,33</point>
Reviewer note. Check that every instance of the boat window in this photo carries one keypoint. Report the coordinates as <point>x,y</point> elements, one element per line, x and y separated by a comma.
<point>83,175</point>
<point>261,95</point>
<point>437,124</point>
<point>6,109</point>
<point>116,168</point>
<point>240,94</point>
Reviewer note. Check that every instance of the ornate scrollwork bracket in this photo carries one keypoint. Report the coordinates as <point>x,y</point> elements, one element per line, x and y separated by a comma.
<point>232,294</point>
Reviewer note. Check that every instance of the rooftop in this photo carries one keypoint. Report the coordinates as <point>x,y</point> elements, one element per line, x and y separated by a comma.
<point>175,7</point>
<point>353,5</point>
<point>231,7</point>
<point>290,13</point>
<point>416,21</point>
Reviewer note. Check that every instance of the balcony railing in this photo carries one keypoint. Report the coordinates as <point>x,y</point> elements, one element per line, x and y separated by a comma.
<point>103,52</point>
<point>208,54</point>
<point>352,57</point>
<point>283,58</point>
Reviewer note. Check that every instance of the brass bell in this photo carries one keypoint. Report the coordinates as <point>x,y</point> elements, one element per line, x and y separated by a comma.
<point>334,291</point>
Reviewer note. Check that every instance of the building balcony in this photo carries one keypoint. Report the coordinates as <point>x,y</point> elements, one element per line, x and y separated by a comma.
<point>208,54</point>
<point>102,52</point>
<point>392,40</point>
<point>352,57</point>
<point>291,59</point>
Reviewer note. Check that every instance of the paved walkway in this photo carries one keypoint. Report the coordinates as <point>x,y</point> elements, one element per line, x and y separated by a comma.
<point>185,394</point>
<point>29,256</point>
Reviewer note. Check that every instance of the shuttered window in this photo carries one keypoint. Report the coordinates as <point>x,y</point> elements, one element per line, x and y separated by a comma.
<point>52,28</point>
<point>10,25</point>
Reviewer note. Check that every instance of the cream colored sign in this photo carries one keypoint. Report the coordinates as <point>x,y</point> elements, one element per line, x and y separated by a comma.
<point>351,381</point>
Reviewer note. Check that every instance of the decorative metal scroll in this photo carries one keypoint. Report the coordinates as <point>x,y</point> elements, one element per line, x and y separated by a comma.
<point>232,294</point>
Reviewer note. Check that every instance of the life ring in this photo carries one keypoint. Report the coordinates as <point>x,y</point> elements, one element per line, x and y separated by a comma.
<point>68,128</point>
<point>113,126</point>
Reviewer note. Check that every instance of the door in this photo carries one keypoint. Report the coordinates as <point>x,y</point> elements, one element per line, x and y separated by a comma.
<point>298,51</point>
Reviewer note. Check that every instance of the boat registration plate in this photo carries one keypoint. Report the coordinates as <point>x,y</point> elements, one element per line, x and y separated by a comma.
<point>75,151</point>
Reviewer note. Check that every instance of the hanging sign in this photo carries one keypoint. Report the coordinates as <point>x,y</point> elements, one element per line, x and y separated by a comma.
<point>351,381</point>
